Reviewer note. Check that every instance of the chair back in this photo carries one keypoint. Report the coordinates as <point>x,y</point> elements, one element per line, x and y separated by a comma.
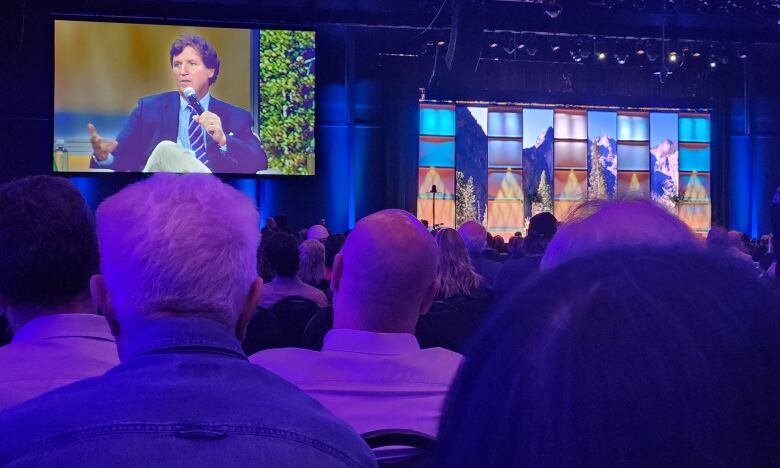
<point>451,322</point>
<point>263,332</point>
<point>401,448</point>
<point>320,324</point>
<point>293,314</point>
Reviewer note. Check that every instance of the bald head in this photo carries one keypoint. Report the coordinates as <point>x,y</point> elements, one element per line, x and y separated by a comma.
<point>474,236</point>
<point>385,275</point>
<point>601,224</point>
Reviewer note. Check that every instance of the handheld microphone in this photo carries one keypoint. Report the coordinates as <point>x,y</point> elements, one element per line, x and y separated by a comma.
<point>192,98</point>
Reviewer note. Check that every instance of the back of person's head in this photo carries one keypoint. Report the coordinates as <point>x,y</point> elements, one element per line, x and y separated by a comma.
<point>317,232</point>
<point>454,273</point>
<point>333,246</point>
<point>718,238</point>
<point>516,246</point>
<point>48,247</point>
<point>736,240</point>
<point>598,224</point>
<point>541,229</point>
<point>178,245</point>
<point>312,261</point>
<point>474,236</point>
<point>281,250</point>
<point>281,222</point>
<point>499,244</point>
<point>385,275</point>
<point>629,357</point>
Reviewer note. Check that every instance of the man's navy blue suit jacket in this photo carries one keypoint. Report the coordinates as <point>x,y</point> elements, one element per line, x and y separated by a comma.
<point>156,118</point>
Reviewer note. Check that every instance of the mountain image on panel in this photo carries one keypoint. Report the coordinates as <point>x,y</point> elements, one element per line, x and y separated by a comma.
<point>602,155</point>
<point>664,162</point>
<point>471,163</point>
<point>538,160</point>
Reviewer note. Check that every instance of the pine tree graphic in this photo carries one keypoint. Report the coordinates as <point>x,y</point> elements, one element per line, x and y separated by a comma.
<point>545,193</point>
<point>597,187</point>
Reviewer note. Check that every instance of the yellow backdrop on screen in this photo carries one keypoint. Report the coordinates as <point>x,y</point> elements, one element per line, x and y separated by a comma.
<point>105,67</point>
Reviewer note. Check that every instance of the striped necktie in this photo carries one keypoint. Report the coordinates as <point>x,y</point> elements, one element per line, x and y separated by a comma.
<point>197,141</point>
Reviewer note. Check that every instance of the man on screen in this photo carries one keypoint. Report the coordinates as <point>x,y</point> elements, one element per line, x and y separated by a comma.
<point>218,140</point>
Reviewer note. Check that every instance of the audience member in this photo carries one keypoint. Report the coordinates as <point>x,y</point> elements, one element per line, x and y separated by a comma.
<point>332,246</point>
<point>317,232</point>
<point>455,275</point>
<point>737,246</point>
<point>720,241</point>
<point>270,226</point>
<point>178,286</point>
<point>516,246</point>
<point>371,371</point>
<point>475,238</point>
<point>282,223</point>
<point>595,224</point>
<point>281,250</point>
<point>515,271</point>
<point>312,264</point>
<point>48,252</point>
<point>499,244</point>
<point>629,357</point>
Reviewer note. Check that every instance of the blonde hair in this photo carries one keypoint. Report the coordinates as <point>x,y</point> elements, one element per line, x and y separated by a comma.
<point>312,266</point>
<point>454,271</point>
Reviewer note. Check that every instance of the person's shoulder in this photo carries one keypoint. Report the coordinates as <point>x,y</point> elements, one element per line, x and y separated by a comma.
<point>158,98</point>
<point>220,107</point>
<point>21,425</point>
<point>270,358</point>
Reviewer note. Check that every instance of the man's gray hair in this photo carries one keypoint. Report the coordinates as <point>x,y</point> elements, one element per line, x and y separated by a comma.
<point>179,244</point>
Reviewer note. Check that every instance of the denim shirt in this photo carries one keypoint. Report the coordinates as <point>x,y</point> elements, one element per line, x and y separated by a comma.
<point>184,395</point>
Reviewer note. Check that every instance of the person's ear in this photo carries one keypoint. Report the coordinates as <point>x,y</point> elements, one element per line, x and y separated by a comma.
<point>428,297</point>
<point>249,308</point>
<point>338,270</point>
<point>211,72</point>
<point>102,300</point>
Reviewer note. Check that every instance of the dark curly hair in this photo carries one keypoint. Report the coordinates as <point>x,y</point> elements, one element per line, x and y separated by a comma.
<point>48,246</point>
<point>207,52</point>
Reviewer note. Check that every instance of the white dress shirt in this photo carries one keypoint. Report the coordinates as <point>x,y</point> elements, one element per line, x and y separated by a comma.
<point>371,380</point>
<point>282,286</point>
<point>51,351</point>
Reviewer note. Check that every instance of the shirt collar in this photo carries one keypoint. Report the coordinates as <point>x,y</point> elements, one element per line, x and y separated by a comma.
<point>64,325</point>
<point>182,332</point>
<point>203,102</point>
<point>365,342</point>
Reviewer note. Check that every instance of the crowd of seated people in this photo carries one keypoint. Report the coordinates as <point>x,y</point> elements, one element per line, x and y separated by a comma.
<point>615,337</point>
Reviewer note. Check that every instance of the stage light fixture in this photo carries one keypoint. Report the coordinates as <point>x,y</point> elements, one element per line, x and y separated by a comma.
<point>742,54</point>
<point>673,57</point>
<point>553,8</point>
<point>621,58</point>
<point>555,44</point>
<point>440,43</point>
<point>713,63</point>
<point>601,55</point>
<point>531,46</point>
<point>662,74</point>
<point>640,48</point>
<point>493,45</point>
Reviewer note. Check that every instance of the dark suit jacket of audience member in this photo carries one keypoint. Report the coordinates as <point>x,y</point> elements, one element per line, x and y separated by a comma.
<point>486,268</point>
<point>515,272</point>
<point>156,119</point>
<point>184,395</point>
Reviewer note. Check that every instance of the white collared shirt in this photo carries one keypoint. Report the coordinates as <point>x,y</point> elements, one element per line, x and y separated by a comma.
<point>51,351</point>
<point>371,380</point>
